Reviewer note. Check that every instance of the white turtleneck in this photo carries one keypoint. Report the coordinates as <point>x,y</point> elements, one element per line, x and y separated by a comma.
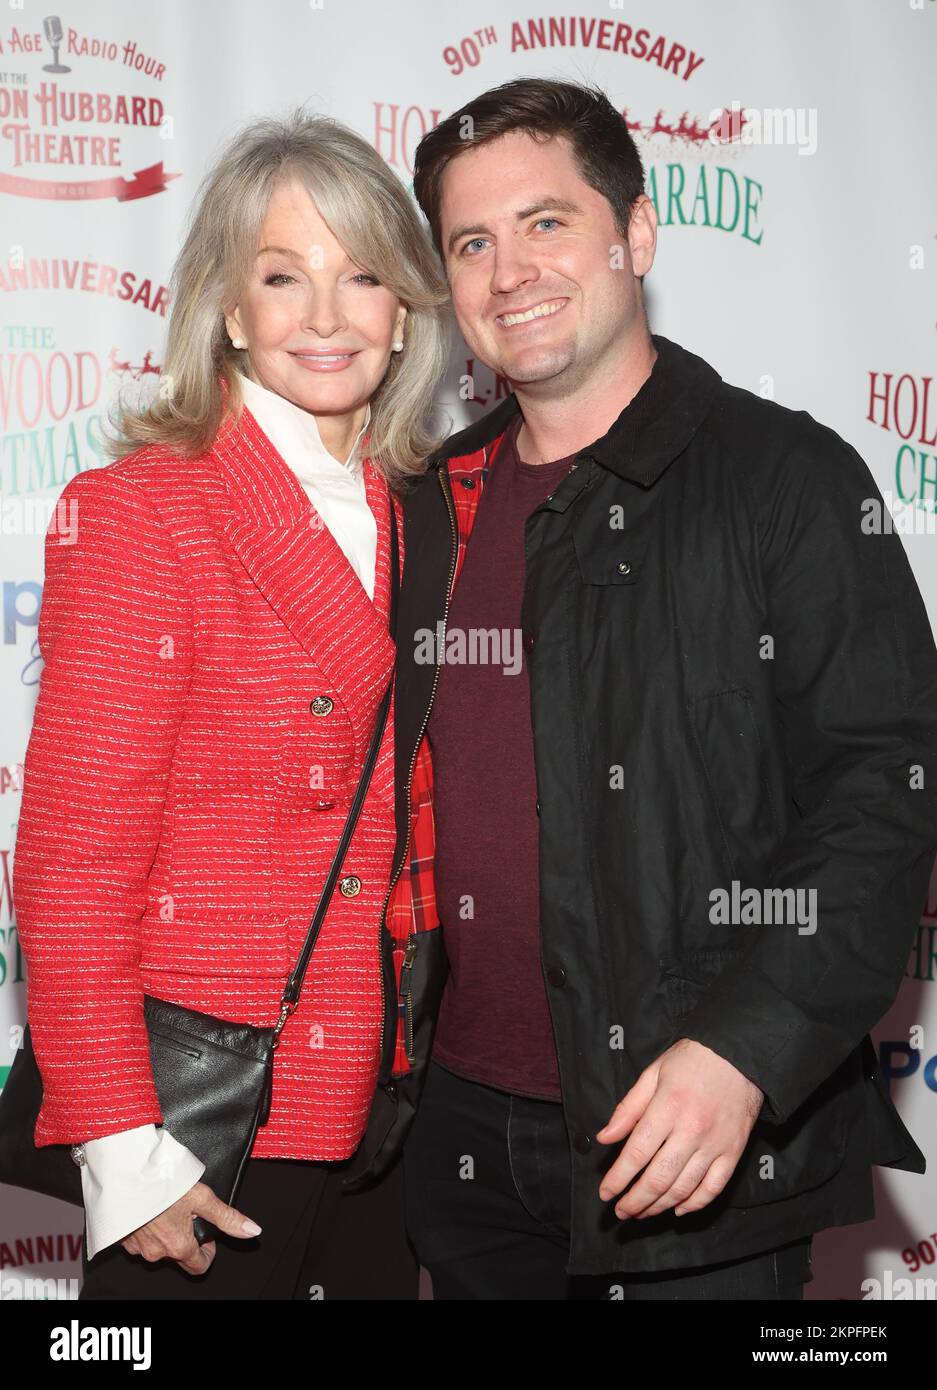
<point>129,1177</point>
<point>335,489</point>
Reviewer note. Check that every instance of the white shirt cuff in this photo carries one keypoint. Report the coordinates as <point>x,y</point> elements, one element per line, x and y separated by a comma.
<point>130,1177</point>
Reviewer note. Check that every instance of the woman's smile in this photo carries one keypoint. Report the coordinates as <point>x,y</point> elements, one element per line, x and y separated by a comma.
<point>314,361</point>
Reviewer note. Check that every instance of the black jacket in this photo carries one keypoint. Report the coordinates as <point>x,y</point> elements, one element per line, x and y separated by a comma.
<point>704,611</point>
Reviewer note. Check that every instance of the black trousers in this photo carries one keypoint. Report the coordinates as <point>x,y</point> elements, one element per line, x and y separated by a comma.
<point>487,1180</point>
<point>317,1242</point>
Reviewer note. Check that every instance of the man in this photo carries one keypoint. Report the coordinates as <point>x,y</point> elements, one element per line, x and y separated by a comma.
<point>681,853</point>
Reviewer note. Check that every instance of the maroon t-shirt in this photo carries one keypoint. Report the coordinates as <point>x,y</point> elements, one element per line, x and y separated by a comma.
<point>494,1023</point>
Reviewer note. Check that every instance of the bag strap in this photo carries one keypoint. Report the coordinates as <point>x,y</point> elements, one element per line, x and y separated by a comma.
<point>294,984</point>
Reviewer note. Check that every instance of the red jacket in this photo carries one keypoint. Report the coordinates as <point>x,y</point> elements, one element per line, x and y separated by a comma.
<point>183,798</point>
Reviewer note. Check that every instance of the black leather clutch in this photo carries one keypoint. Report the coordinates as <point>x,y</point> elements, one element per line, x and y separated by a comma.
<point>214,1082</point>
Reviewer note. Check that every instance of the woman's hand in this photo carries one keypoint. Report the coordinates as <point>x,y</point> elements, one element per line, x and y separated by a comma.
<point>170,1235</point>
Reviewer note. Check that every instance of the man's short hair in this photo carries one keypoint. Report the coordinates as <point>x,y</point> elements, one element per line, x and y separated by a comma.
<point>602,144</point>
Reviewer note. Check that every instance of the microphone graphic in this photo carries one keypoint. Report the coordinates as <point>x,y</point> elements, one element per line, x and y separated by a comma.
<point>52,27</point>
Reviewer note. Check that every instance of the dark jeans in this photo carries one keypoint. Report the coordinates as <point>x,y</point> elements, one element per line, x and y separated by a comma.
<point>503,1231</point>
<point>317,1242</point>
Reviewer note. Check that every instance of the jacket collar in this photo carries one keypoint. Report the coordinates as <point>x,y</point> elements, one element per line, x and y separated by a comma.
<point>299,567</point>
<point>652,430</point>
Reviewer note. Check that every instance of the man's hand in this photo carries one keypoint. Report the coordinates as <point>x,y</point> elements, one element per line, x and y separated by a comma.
<point>689,1115</point>
<point>170,1236</point>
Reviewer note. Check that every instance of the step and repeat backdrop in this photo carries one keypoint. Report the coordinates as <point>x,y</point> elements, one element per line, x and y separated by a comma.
<point>788,148</point>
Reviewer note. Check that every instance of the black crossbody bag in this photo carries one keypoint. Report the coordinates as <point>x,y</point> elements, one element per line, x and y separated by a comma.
<point>214,1078</point>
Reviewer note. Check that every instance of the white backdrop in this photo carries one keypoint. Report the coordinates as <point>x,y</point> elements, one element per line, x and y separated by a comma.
<point>797,253</point>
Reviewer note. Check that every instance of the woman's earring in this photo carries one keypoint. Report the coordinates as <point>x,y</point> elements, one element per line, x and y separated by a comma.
<point>398,346</point>
<point>238,343</point>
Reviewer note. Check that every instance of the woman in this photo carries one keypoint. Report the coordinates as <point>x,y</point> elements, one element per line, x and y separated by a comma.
<point>216,647</point>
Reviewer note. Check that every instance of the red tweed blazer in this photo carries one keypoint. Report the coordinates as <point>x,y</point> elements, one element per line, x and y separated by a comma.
<point>182,800</point>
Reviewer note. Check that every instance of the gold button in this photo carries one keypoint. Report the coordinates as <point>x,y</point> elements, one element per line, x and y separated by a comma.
<point>350,886</point>
<point>321,705</point>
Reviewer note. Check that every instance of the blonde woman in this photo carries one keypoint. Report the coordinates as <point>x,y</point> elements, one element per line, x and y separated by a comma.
<point>216,646</point>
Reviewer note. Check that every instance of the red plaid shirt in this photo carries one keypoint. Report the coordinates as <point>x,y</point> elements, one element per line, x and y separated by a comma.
<point>412,905</point>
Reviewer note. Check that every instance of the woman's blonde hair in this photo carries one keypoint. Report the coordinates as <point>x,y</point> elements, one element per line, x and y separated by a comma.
<point>370,213</point>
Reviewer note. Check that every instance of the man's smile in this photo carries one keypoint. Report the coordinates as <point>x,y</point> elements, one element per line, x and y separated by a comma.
<point>544,310</point>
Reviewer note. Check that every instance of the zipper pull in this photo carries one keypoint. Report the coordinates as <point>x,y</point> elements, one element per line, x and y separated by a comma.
<point>407,964</point>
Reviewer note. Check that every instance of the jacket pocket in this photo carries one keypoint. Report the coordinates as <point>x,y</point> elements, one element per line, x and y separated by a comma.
<point>734,766</point>
<point>217,943</point>
<point>779,1160</point>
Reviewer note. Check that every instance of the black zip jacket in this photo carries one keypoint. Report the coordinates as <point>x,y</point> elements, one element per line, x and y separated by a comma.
<point>705,610</point>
